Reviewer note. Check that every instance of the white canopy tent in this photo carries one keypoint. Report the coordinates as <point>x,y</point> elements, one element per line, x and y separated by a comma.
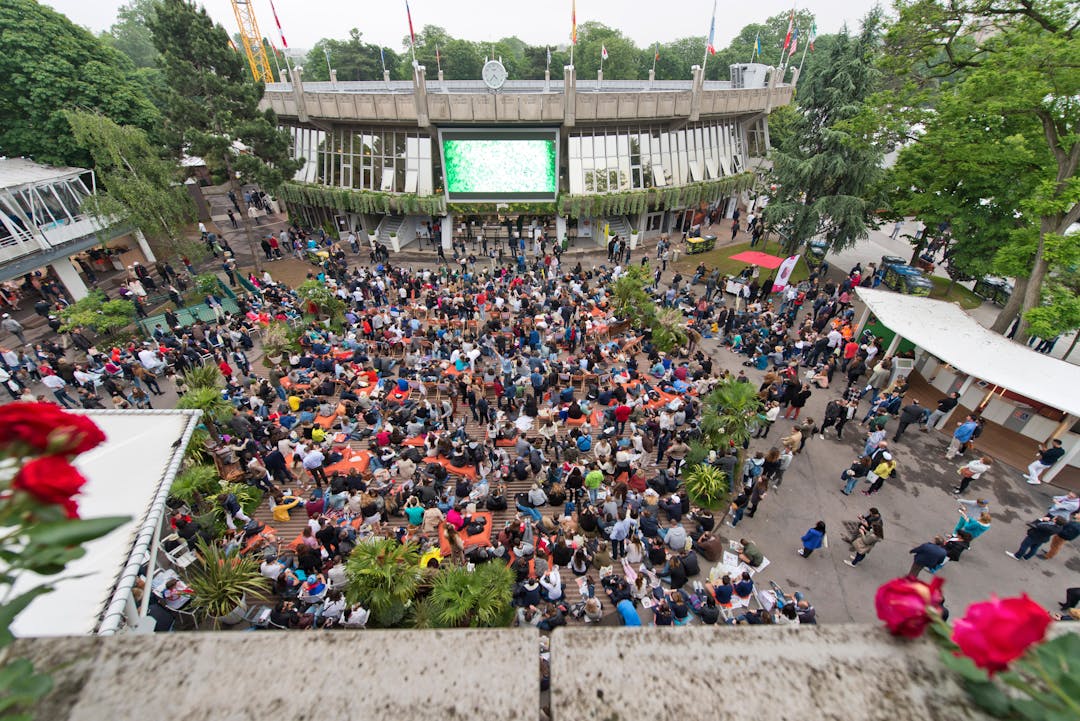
<point>128,475</point>
<point>947,332</point>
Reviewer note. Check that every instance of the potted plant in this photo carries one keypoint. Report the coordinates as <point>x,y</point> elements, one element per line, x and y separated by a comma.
<point>275,343</point>
<point>394,242</point>
<point>706,485</point>
<point>384,576</point>
<point>221,583</point>
<point>635,231</point>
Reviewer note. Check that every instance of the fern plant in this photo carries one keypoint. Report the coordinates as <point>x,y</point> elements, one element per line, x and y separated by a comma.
<point>208,376</point>
<point>383,575</point>
<point>480,598</point>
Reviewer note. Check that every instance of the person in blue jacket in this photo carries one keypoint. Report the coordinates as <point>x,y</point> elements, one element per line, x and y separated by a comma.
<point>628,613</point>
<point>812,540</point>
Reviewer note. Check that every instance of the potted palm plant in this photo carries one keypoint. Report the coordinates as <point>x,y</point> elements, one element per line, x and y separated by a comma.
<point>221,583</point>
<point>275,343</point>
<point>384,576</point>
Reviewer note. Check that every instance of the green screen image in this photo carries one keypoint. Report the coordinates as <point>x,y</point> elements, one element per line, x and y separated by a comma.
<point>500,167</point>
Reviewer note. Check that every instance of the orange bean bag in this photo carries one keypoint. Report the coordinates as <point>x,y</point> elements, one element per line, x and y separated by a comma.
<point>469,472</point>
<point>506,442</point>
<point>480,539</point>
<point>360,460</point>
<point>414,441</point>
<point>576,421</point>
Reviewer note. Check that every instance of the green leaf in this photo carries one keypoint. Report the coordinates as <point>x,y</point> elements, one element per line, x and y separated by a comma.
<point>74,532</point>
<point>963,666</point>
<point>988,696</point>
<point>13,608</point>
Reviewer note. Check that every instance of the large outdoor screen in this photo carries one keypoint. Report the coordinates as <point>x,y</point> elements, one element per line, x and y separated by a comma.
<point>488,164</point>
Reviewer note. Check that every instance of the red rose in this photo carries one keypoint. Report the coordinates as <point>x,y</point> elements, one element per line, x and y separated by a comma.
<point>904,604</point>
<point>51,480</point>
<point>995,632</point>
<point>47,428</point>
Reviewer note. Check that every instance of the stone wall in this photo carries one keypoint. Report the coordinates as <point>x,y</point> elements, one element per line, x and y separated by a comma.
<point>844,672</point>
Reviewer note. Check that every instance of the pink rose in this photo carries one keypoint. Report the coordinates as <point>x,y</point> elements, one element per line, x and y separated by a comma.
<point>996,632</point>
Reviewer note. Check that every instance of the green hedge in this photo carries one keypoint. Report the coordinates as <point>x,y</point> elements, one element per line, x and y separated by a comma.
<point>633,202</point>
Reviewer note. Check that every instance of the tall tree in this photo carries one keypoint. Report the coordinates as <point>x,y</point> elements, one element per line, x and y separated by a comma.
<point>141,187</point>
<point>131,35</point>
<point>213,106</point>
<point>1014,60</point>
<point>49,64</point>
<point>353,59</point>
<point>829,163</point>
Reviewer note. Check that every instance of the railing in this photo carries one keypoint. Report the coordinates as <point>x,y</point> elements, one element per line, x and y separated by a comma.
<point>376,87</point>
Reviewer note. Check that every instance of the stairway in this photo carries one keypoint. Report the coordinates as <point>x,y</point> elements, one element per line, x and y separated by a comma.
<point>619,225</point>
<point>390,224</point>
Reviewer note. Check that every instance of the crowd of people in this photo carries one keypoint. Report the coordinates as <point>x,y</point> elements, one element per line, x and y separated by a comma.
<point>440,400</point>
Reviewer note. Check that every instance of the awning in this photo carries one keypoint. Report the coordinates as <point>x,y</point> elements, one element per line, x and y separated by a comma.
<point>127,475</point>
<point>754,257</point>
<point>947,332</point>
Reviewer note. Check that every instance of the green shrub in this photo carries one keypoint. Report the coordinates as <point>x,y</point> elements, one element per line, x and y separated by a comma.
<point>383,575</point>
<point>706,485</point>
<point>481,598</point>
<point>196,482</point>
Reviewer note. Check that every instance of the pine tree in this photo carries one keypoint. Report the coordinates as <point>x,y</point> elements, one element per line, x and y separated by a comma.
<point>213,105</point>
<point>830,161</point>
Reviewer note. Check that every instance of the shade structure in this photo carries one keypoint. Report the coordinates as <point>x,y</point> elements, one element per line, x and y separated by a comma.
<point>127,475</point>
<point>947,332</point>
<point>754,257</point>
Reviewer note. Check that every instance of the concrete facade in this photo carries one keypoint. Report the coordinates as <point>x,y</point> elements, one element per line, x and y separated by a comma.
<point>808,672</point>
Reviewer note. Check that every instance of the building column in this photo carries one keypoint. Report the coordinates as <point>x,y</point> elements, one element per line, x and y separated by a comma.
<point>560,228</point>
<point>863,318</point>
<point>144,246</point>
<point>893,344</point>
<point>1070,453</point>
<point>71,279</point>
<point>448,231</point>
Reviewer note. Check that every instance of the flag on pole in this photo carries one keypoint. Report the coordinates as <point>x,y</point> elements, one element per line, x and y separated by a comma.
<point>280,32</point>
<point>549,58</point>
<point>412,33</point>
<point>656,55</point>
<point>794,42</point>
<point>757,45</point>
<point>790,29</point>
<point>711,47</point>
<point>603,52</point>
<point>573,22</point>
<point>382,58</point>
<point>813,37</point>
<point>438,58</point>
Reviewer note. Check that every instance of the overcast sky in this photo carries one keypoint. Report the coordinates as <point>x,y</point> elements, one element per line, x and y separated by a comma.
<point>541,22</point>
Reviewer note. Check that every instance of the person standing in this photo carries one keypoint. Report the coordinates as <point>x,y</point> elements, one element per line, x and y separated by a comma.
<point>884,470</point>
<point>910,414</point>
<point>58,387</point>
<point>813,539</point>
<point>1039,532</point>
<point>971,471</point>
<point>1068,532</point>
<point>862,544</point>
<point>928,555</point>
<point>1045,458</point>
<point>963,433</point>
<point>14,327</point>
<point>944,405</point>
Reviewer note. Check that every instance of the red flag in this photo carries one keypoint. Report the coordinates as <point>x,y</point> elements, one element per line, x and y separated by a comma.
<point>280,32</point>
<point>412,34</point>
<point>573,22</point>
<point>790,27</point>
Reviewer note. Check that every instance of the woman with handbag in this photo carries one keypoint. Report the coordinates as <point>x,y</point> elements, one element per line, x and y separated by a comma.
<point>971,471</point>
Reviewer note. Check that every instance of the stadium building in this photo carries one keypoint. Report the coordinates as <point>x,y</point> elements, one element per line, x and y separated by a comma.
<point>397,161</point>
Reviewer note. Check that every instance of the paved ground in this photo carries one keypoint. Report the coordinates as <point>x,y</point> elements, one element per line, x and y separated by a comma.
<point>915,507</point>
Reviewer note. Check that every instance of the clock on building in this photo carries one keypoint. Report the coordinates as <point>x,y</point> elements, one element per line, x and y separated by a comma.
<point>494,74</point>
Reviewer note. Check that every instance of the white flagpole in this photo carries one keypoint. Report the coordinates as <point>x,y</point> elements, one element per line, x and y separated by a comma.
<point>806,46</point>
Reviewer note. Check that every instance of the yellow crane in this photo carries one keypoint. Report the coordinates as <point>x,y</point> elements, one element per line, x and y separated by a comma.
<point>253,41</point>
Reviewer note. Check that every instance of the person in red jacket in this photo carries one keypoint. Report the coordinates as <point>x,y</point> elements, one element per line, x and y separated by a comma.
<point>622,415</point>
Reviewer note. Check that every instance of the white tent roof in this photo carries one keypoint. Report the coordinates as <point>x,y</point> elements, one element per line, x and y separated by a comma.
<point>946,331</point>
<point>128,475</point>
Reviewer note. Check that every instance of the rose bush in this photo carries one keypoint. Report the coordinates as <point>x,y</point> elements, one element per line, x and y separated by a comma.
<point>46,428</point>
<point>52,480</point>
<point>908,606</point>
<point>995,633</point>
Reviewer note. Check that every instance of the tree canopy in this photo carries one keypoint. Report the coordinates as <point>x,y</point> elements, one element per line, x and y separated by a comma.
<point>994,87</point>
<point>50,65</point>
<point>829,160</point>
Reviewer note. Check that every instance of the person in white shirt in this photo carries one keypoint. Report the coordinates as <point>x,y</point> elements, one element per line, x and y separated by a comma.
<point>58,385</point>
<point>553,585</point>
